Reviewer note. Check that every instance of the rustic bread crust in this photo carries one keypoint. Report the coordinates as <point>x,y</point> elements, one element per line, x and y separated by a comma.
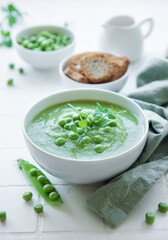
<point>120,65</point>
<point>74,62</point>
<point>91,65</point>
<point>75,75</point>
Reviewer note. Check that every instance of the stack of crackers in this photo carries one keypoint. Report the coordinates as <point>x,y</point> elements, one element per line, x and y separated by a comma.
<point>96,67</point>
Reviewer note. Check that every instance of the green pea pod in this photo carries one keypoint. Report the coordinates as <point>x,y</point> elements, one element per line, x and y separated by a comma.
<point>26,167</point>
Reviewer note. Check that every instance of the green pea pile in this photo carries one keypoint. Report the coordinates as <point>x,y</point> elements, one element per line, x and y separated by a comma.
<point>45,41</point>
<point>82,135</point>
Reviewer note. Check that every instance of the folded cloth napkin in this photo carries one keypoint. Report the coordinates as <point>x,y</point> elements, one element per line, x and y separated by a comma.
<point>116,199</point>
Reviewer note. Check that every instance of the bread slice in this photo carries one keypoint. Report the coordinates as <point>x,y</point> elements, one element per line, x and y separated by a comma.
<point>75,75</point>
<point>96,67</point>
<point>74,62</point>
<point>120,65</point>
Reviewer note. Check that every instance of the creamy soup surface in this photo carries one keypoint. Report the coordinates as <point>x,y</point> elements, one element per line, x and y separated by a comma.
<point>85,130</point>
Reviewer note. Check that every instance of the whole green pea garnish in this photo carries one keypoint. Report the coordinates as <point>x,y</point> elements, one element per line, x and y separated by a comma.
<point>73,136</point>
<point>11,65</point>
<point>76,117</point>
<point>86,139</point>
<point>76,123</point>
<point>27,196</point>
<point>10,82</point>
<point>33,172</point>
<point>67,126</point>
<point>150,217</point>
<point>89,123</point>
<point>53,195</point>
<point>68,119</point>
<point>112,124</point>
<point>48,188</point>
<point>38,208</point>
<point>107,129</point>
<point>98,139</point>
<point>99,148</point>
<point>42,179</point>
<point>163,207</point>
<point>21,70</point>
<point>2,216</point>
<point>60,141</point>
<point>80,131</point>
<point>62,122</point>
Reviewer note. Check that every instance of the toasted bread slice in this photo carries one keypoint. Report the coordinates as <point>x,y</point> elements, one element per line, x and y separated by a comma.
<point>75,75</point>
<point>96,67</point>
<point>74,62</point>
<point>120,65</point>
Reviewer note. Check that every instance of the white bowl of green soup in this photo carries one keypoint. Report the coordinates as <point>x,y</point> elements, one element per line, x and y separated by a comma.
<point>44,47</point>
<point>85,135</point>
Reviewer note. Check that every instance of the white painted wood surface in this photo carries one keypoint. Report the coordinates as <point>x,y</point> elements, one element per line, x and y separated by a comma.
<point>73,220</point>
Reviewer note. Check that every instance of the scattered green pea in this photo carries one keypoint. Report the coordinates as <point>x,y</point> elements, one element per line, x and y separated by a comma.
<point>112,124</point>
<point>11,65</point>
<point>33,172</point>
<point>87,139</point>
<point>98,139</point>
<point>42,179</point>
<point>48,188</point>
<point>2,216</point>
<point>99,148</point>
<point>76,117</point>
<point>27,196</point>
<point>73,136</point>
<point>60,141</point>
<point>163,207</point>
<point>21,70</point>
<point>10,82</point>
<point>107,129</point>
<point>53,195</point>
<point>150,217</point>
<point>38,208</point>
<point>62,122</point>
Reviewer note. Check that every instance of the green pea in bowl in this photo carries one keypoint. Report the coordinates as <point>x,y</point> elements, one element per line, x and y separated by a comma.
<point>44,47</point>
<point>114,133</point>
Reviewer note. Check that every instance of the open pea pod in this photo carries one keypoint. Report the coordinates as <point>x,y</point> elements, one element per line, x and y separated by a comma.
<point>26,168</point>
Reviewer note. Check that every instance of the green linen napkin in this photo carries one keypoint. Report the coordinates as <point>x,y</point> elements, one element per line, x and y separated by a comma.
<point>115,200</point>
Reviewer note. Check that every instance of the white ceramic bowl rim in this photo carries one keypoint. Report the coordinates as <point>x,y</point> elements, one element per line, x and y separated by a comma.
<point>61,70</point>
<point>45,52</point>
<point>95,159</point>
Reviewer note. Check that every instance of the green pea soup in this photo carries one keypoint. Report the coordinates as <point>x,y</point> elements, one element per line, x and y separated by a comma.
<point>85,130</point>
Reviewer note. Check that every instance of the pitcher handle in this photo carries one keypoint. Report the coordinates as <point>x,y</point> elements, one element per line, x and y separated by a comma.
<point>150,22</point>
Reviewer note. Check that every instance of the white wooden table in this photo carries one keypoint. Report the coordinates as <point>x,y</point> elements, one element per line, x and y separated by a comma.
<point>73,220</point>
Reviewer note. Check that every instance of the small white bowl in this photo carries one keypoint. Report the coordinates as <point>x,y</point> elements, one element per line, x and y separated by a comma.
<point>44,59</point>
<point>115,86</point>
<point>88,170</point>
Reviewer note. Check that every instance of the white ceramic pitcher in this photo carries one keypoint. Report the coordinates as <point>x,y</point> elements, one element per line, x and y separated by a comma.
<point>121,34</point>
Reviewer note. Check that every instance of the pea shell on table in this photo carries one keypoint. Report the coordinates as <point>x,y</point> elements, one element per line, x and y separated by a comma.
<point>26,167</point>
